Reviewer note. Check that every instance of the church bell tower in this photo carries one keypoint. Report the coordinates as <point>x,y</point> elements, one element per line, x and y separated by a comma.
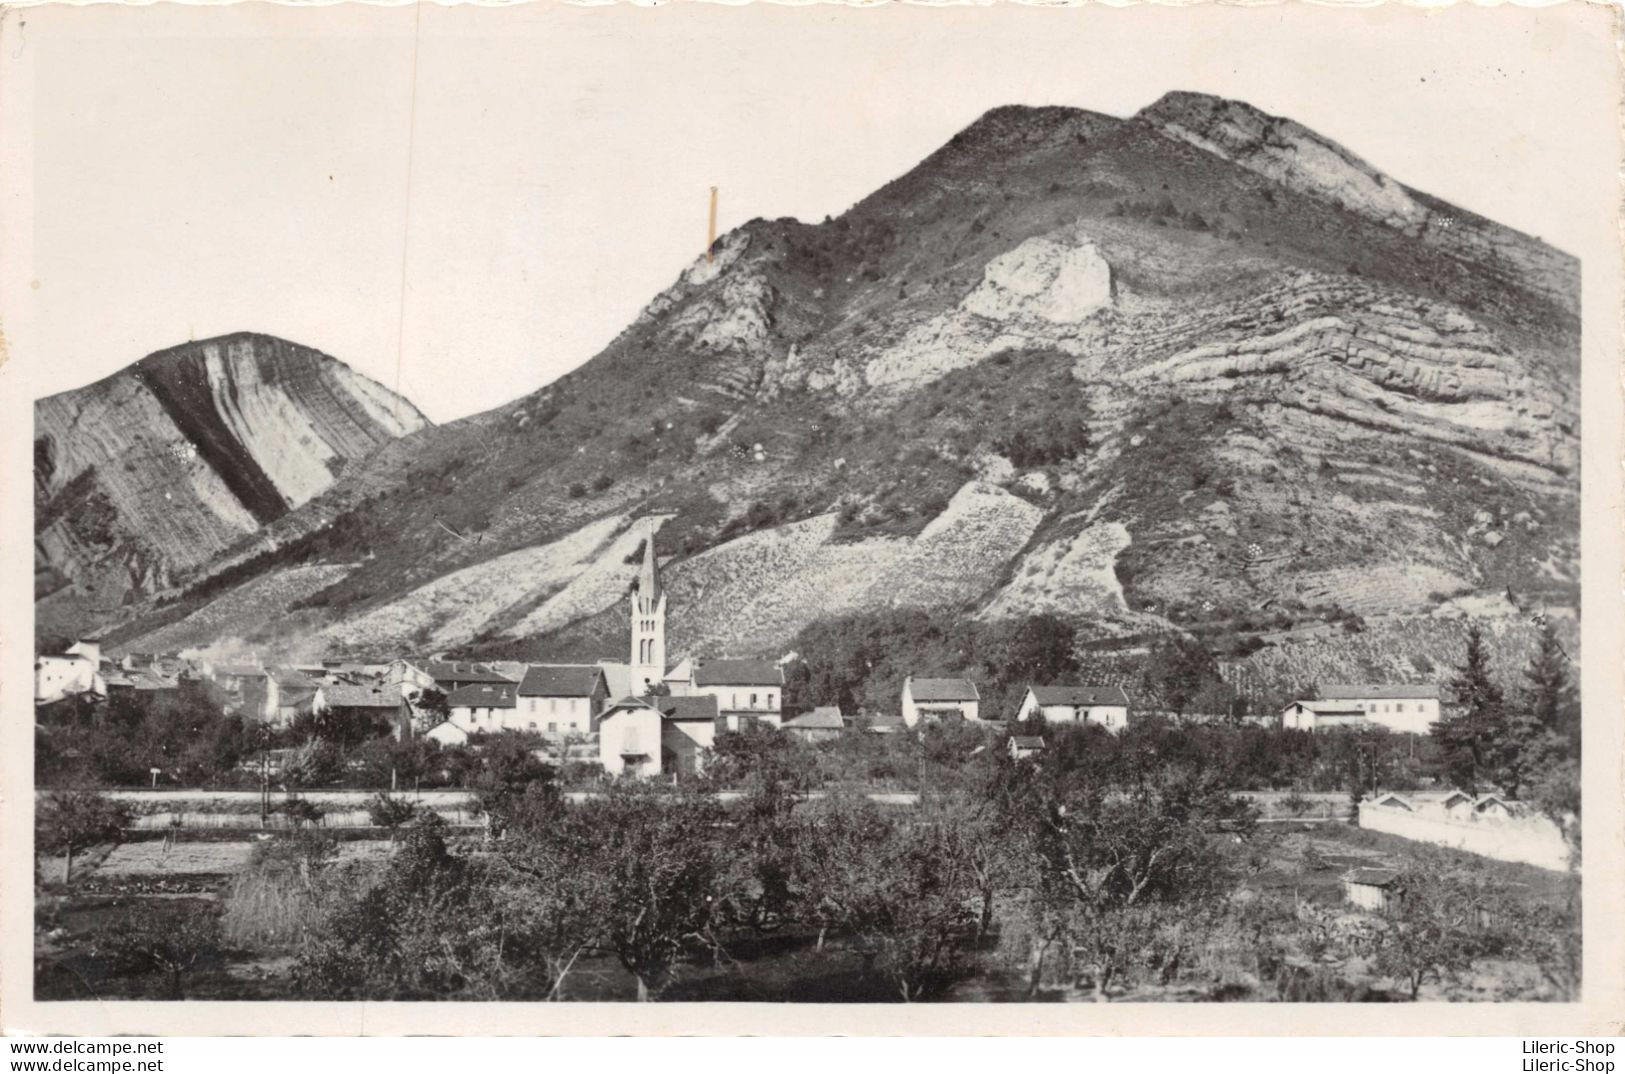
<point>648,615</point>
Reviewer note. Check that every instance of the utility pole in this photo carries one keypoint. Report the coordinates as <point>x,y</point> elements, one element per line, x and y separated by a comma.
<point>265,778</point>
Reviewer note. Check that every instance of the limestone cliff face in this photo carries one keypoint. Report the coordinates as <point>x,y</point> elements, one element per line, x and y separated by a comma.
<point>1190,366</point>
<point>142,476</point>
<point>1301,160</point>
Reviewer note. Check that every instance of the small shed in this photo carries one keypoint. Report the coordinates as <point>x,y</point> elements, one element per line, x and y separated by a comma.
<point>447,734</point>
<point>1394,801</point>
<point>1456,803</point>
<point>1493,807</point>
<point>818,725</point>
<point>884,725</point>
<point>1376,890</point>
<point>1023,747</point>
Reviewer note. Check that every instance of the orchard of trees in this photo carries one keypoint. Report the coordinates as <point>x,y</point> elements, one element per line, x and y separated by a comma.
<point>1093,876</point>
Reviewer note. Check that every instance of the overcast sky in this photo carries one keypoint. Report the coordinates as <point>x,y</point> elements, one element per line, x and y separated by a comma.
<point>467,203</point>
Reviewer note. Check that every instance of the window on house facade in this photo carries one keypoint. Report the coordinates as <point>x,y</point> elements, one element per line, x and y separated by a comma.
<point>551,727</point>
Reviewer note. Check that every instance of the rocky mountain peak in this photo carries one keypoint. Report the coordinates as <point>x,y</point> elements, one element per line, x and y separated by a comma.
<point>143,475</point>
<point>1285,151</point>
<point>1196,363</point>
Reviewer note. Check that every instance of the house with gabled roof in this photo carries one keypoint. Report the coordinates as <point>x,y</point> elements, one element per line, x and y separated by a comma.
<point>412,676</point>
<point>819,725</point>
<point>447,733</point>
<point>940,699</point>
<point>562,699</point>
<point>1373,889</point>
<point>1412,708</point>
<point>278,695</point>
<point>451,675</point>
<point>372,701</point>
<point>1323,716</point>
<point>688,732</point>
<point>1103,705</point>
<point>67,670</point>
<point>747,691</point>
<point>294,694</point>
<point>1026,747</point>
<point>652,736</point>
<point>629,734</point>
<point>486,707</point>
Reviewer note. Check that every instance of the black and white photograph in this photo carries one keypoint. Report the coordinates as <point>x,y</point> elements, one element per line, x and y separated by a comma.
<point>767,505</point>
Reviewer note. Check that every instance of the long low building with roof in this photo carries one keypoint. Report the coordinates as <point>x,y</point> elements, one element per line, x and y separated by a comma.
<point>1103,705</point>
<point>1413,708</point>
<point>1323,716</point>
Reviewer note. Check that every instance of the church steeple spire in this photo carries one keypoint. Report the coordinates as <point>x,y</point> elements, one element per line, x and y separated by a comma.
<point>648,620</point>
<point>649,576</point>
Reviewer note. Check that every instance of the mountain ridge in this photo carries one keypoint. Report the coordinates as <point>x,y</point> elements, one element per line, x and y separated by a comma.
<point>1234,393</point>
<point>157,468</point>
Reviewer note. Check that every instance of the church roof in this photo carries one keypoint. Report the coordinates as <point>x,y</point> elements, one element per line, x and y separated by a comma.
<point>617,677</point>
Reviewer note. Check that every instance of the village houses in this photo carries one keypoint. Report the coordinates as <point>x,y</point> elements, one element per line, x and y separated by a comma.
<point>482,706</point>
<point>1410,708</point>
<point>1103,705</point>
<point>643,715</point>
<point>747,691</point>
<point>73,669</point>
<point>380,705</point>
<point>556,699</point>
<point>935,700</point>
<point>1323,716</point>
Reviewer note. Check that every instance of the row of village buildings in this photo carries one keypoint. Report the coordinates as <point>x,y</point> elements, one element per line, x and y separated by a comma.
<point>596,709</point>
<point>643,716</point>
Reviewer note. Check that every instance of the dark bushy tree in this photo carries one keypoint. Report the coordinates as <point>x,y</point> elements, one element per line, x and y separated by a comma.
<point>1181,675</point>
<point>420,930</point>
<point>1469,737</point>
<point>68,822</point>
<point>1551,696</point>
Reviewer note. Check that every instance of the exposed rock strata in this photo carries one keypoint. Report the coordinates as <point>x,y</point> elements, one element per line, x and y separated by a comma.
<point>191,449</point>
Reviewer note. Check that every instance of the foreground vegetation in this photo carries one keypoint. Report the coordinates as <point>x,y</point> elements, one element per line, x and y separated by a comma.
<point>1135,878</point>
<point>1123,866</point>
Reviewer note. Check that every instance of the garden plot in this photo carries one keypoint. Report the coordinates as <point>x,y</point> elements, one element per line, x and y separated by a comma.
<point>156,858</point>
<point>153,858</point>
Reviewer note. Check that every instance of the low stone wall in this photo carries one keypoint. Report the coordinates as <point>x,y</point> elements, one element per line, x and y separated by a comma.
<point>1532,840</point>
<point>352,818</point>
